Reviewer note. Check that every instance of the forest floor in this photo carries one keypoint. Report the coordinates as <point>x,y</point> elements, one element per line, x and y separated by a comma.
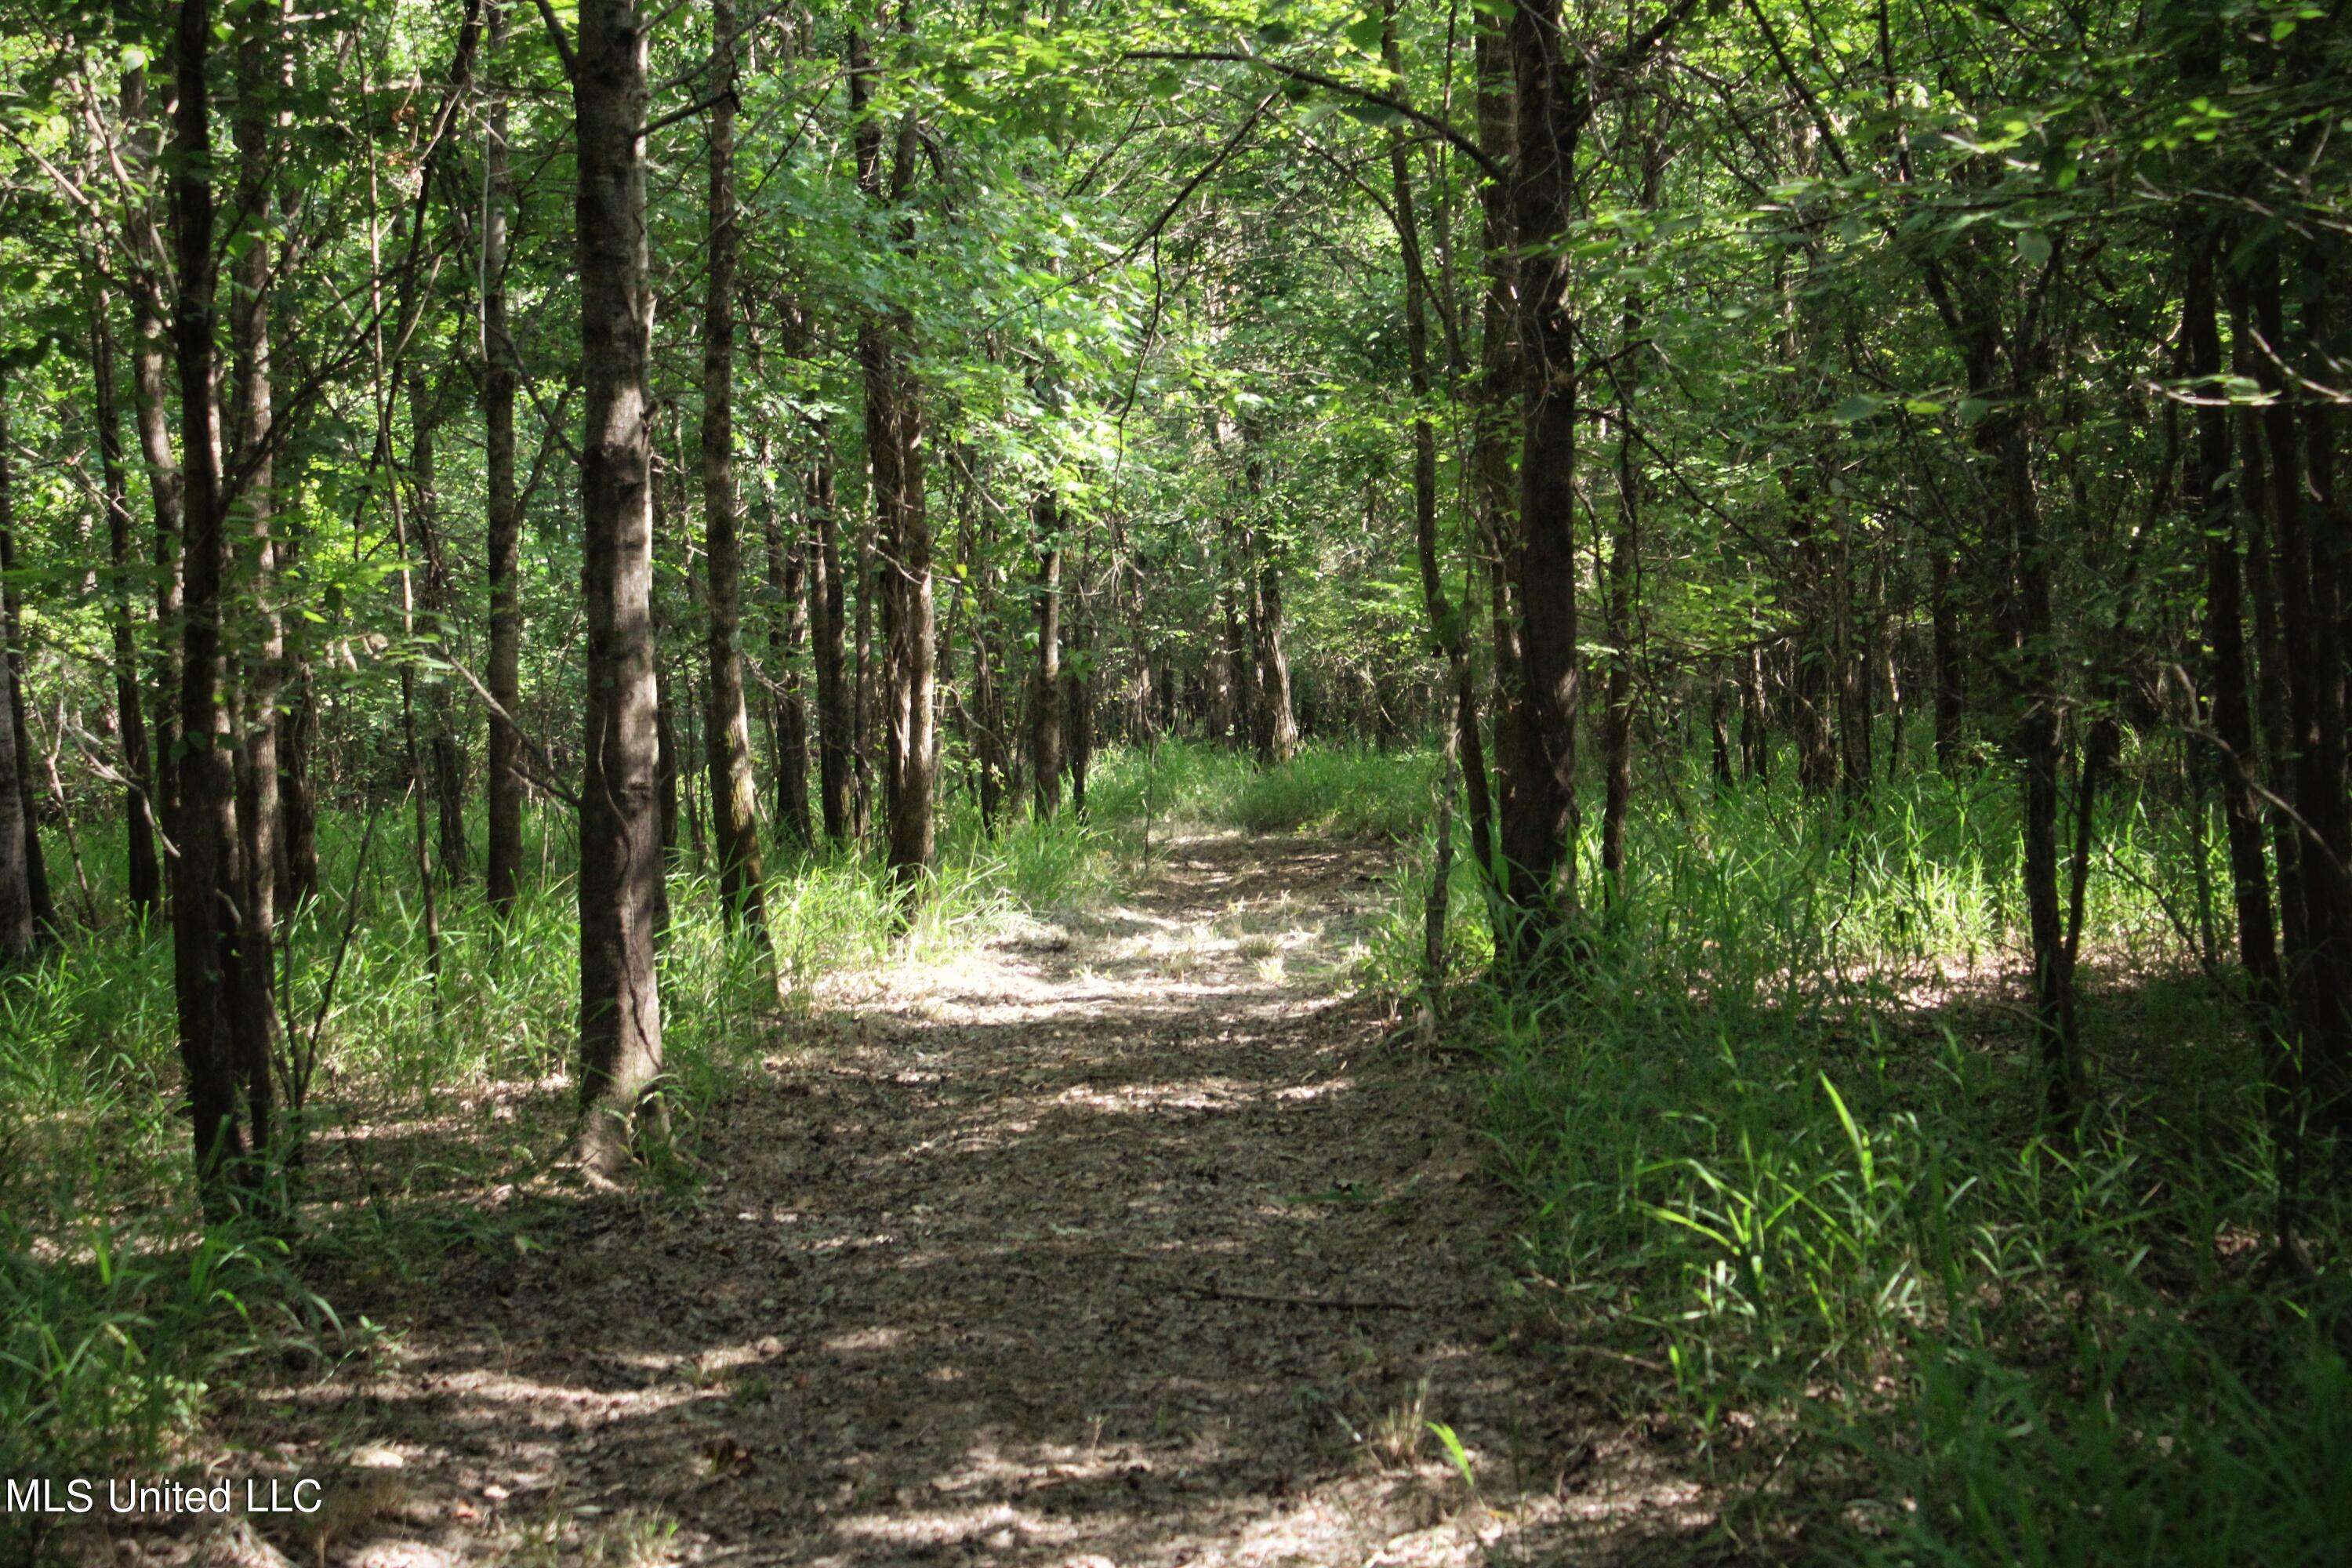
<point>1139,1237</point>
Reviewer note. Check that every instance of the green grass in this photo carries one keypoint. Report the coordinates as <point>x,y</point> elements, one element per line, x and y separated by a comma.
<point>1346,791</point>
<point>1780,1150</point>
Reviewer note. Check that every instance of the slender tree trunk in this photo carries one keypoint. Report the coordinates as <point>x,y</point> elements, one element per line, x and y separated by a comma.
<point>787,630</point>
<point>2210,497</point>
<point>448,767</point>
<point>165,486</point>
<point>18,937</point>
<point>2037,737</point>
<point>1078,697</point>
<point>1466,746</point>
<point>145,872</point>
<point>665,772</point>
<point>502,866</point>
<point>11,610</point>
<point>1045,689</point>
<point>2269,672</point>
<point>834,724</point>
<point>1501,371</point>
<point>260,78</point>
<point>861,750</point>
<point>1240,663</point>
<point>1277,724</point>
<point>2305,548</point>
<point>1951,662</point>
<point>1718,723</point>
<point>204,940</point>
<point>734,794</point>
<point>1617,711</point>
<point>620,846</point>
<point>298,726</point>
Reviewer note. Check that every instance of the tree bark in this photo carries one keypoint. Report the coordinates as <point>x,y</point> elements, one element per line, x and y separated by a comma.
<point>2209,496</point>
<point>145,872</point>
<point>1446,631</point>
<point>205,957</point>
<point>1539,708</point>
<point>727,729</point>
<point>448,768</point>
<point>621,869</point>
<point>787,630</point>
<point>835,724</point>
<point>19,940</point>
<point>1045,687</point>
<point>254,1017</point>
<point>1276,735</point>
<point>502,866</point>
<point>1951,661</point>
<point>166,485</point>
<point>2305,547</point>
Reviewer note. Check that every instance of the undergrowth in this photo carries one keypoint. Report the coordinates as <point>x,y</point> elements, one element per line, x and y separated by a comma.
<point>1777,1135</point>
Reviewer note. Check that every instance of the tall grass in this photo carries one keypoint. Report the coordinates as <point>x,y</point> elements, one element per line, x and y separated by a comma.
<point>1777,1139</point>
<point>1348,790</point>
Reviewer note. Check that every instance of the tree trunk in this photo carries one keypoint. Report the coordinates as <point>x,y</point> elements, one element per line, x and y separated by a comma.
<point>448,768</point>
<point>1951,662</point>
<point>2303,529</point>
<point>1718,724</point>
<point>1617,710</point>
<point>145,872</point>
<point>787,630</point>
<point>1446,627</point>
<point>727,729</point>
<point>620,848</point>
<point>1240,663</point>
<point>834,724</point>
<point>297,850</point>
<point>502,866</point>
<point>1045,689</point>
<point>165,484</point>
<point>1276,736</point>
<point>2210,497</point>
<point>17,936</point>
<point>1538,807</point>
<point>861,752</point>
<point>1078,696</point>
<point>2037,737</point>
<point>260,77</point>
<point>205,959</point>
<point>11,610</point>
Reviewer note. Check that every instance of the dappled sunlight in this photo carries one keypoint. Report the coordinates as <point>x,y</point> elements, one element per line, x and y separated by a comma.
<point>1034,1254</point>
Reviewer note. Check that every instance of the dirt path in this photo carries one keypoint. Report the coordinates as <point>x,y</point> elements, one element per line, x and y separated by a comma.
<point>1129,1242</point>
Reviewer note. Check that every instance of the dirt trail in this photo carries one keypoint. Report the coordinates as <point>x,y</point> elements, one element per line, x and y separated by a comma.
<point>1126,1243</point>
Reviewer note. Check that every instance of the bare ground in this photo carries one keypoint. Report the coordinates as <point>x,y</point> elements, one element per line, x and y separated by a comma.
<point>1138,1240</point>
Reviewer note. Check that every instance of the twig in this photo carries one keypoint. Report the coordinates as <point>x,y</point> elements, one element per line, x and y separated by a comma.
<point>1267,1299</point>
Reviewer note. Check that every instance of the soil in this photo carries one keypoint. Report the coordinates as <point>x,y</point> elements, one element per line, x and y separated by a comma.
<point>1144,1238</point>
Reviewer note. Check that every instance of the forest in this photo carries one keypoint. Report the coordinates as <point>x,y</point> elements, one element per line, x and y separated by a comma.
<point>1195,782</point>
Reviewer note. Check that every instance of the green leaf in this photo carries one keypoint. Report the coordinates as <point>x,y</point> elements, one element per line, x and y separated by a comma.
<point>2032,248</point>
<point>1455,1452</point>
